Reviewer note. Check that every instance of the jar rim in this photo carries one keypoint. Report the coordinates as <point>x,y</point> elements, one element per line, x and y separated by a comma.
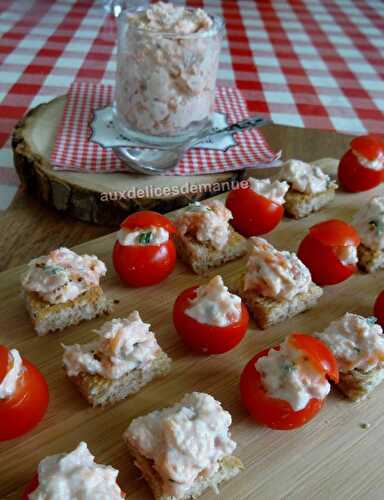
<point>217,27</point>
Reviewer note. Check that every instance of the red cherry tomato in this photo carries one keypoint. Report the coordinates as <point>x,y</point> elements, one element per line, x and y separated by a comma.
<point>203,338</point>
<point>253,214</point>
<point>143,265</point>
<point>31,487</point>
<point>353,176</point>
<point>277,413</point>
<point>23,410</point>
<point>317,251</point>
<point>378,310</point>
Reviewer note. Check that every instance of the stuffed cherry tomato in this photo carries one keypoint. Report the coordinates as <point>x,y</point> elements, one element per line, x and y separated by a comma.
<point>330,251</point>
<point>284,387</point>
<point>378,310</point>
<point>209,318</point>
<point>144,253</point>
<point>257,207</point>
<point>362,166</point>
<point>23,395</point>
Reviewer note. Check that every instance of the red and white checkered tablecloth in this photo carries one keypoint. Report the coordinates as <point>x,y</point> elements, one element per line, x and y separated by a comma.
<point>309,63</point>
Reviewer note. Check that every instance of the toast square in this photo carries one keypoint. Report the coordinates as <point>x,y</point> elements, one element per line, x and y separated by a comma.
<point>229,467</point>
<point>202,257</point>
<point>370,260</point>
<point>267,311</point>
<point>48,317</point>
<point>299,205</point>
<point>100,391</point>
<point>357,385</point>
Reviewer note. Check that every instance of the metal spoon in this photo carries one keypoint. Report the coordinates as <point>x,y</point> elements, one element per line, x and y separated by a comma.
<point>152,161</point>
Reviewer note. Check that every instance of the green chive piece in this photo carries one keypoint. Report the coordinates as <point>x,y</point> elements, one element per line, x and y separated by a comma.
<point>371,320</point>
<point>145,238</point>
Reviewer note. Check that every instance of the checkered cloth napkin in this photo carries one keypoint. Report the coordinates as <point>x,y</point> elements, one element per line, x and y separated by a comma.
<point>74,151</point>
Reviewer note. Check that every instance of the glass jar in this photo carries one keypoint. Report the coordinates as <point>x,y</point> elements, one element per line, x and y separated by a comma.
<point>165,82</point>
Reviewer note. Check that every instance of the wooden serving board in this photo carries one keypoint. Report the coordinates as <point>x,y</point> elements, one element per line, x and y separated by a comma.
<point>81,194</point>
<point>331,457</point>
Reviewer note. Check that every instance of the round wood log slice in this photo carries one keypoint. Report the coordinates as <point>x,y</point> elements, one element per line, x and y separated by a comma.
<point>81,194</point>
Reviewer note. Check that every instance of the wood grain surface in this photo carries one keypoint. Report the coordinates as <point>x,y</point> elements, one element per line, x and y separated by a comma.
<point>30,227</point>
<point>331,457</point>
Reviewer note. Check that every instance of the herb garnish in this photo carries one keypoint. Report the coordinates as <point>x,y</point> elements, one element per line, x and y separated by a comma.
<point>196,206</point>
<point>145,238</point>
<point>288,367</point>
<point>377,226</point>
<point>371,320</point>
<point>49,269</point>
<point>356,349</point>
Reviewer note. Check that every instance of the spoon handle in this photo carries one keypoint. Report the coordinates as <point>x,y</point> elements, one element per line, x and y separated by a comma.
<point>247,123</point>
